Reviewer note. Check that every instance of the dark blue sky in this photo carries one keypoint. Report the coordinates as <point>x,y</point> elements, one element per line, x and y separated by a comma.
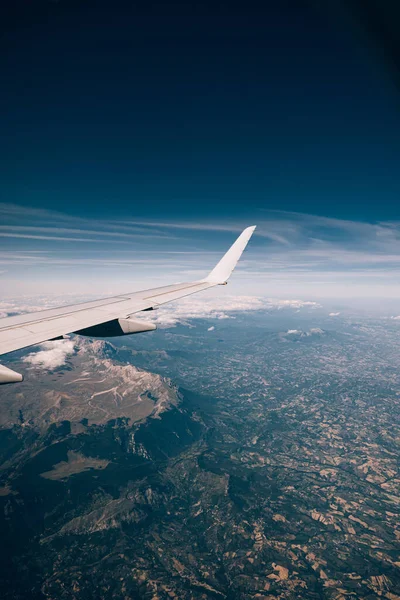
<point>195,110</point>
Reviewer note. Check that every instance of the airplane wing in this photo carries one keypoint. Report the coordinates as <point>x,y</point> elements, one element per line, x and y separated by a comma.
<point>109,316</point>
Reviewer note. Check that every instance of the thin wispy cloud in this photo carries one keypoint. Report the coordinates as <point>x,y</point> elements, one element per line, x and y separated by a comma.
<point>291,252</point>
<point>55,238</point>
<point>17,229</point>
<point>205,226</point>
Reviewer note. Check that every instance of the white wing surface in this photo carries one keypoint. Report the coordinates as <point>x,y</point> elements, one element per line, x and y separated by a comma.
<point>30,329</point>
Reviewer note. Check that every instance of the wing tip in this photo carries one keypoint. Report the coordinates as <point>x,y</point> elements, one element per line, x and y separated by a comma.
<point>249,230</point>
<point>223,270</point>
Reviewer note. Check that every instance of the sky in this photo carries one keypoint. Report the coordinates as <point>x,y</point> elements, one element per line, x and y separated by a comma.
<point>138,139</point>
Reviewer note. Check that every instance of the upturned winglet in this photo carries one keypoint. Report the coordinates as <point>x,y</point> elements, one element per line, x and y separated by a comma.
<point>221,273</point>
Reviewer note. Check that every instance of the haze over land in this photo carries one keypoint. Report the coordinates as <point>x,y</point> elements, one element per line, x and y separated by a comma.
<point>250,453</point>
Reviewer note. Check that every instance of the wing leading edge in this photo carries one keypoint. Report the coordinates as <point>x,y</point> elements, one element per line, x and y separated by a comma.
<point>33,328</point>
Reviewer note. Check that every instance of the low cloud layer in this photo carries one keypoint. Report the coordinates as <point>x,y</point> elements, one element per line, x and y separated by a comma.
<point>223,307</point>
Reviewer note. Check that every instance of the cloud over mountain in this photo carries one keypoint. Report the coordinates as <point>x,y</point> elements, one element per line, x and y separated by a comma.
<point>52,355</point>
<point>297,334</point>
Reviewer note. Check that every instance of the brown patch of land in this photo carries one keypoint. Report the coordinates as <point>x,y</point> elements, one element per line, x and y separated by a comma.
<point>76,463</point>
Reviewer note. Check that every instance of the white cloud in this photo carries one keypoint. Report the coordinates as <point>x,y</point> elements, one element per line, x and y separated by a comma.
<point>52,355</point>
<point>211,328</point>
<point>280,304</point>
<point>299,333</point>
<point>334,314</point>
